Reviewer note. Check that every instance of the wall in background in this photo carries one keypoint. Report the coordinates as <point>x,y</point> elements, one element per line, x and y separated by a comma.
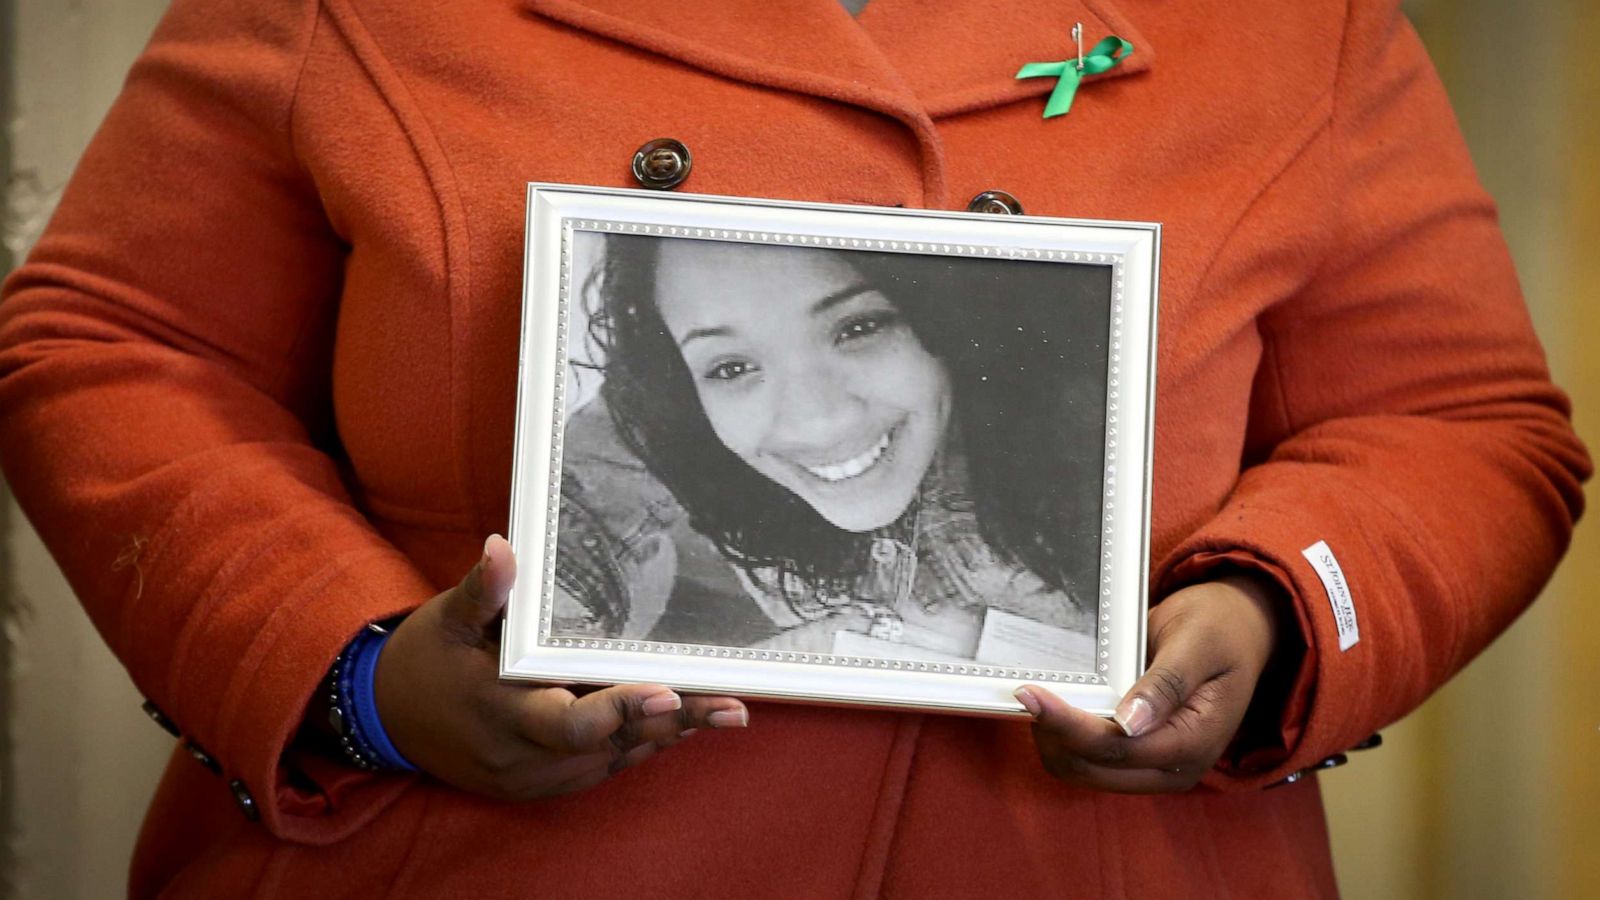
<point>1490,790</point>
<point>83,758</point>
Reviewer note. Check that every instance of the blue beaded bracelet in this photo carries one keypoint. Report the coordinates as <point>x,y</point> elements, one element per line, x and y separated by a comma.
<point>354,707</point>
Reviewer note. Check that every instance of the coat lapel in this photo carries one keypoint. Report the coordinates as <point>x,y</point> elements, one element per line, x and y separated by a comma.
<point>910,59</point>
<point>963,56</point>
<point>809,46</point>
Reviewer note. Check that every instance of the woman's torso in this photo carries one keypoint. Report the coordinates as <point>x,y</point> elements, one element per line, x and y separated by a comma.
<point>419,125</point>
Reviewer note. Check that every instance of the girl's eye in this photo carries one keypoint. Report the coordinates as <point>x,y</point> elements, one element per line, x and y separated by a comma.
<point>729,370</point>
<point>866,325</point>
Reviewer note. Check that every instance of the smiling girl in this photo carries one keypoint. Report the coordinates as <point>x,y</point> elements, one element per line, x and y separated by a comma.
<point>884,445</point>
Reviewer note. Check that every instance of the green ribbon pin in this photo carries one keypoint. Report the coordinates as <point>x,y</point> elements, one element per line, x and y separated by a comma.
<point>1102,58</point>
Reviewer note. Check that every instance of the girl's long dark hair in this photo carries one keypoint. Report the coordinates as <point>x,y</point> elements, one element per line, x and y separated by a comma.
<point>1025,345</point>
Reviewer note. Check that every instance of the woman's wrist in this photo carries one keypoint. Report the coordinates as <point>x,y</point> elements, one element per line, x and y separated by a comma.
<point>1264,598</point>
<point>352,709</point>
<point>1259,743</point>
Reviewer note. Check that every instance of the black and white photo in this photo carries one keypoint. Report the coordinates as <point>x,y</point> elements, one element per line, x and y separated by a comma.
<point>773,445</point>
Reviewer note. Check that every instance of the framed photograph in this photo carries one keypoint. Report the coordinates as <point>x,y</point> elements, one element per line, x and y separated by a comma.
<point>838,454</point>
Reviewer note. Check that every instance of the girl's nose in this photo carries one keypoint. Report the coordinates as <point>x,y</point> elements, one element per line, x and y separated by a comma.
<point>815,411</point>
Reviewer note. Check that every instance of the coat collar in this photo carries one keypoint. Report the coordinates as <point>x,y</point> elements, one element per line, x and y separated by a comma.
<point>909,59</point>
<point>976,46</point>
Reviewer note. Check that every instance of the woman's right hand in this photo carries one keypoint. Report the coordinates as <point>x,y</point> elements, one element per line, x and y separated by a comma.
<point>444,707</point>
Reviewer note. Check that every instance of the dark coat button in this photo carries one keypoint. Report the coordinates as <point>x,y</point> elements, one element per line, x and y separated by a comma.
<point>202,757</point>
<point>997,203</point>
<point>1332,762</point>
<point>247,803</point>
<point>160,718</point>
<point>662,164</point>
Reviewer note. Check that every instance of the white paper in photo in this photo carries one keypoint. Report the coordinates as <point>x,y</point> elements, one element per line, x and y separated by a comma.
<point>854,643</point>
<point>1012,640</point>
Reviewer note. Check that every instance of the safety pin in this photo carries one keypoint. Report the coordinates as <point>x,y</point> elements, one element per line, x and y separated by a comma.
<point>1077,37</point>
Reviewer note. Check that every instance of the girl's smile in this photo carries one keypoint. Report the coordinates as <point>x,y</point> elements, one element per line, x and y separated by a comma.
<point>853,466</point>
<point>807,373</point>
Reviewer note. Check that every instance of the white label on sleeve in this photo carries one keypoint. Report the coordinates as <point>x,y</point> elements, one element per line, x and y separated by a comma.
<point>1344,609</point>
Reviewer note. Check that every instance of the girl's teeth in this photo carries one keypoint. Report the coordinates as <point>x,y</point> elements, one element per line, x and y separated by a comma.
<point>850,468</point>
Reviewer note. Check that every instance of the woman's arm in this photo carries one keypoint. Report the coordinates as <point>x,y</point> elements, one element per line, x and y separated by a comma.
<point>163,365</point>
<point>164,414</point>
<point>1402,416</point>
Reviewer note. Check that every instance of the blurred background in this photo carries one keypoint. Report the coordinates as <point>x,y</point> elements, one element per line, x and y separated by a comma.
<point>1490,790</point>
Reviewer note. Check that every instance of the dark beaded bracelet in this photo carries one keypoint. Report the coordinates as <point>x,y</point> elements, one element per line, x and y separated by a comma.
<point>351,708</point>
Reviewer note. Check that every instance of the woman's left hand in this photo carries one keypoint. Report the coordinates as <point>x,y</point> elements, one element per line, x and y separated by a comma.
<point>1209,643</point>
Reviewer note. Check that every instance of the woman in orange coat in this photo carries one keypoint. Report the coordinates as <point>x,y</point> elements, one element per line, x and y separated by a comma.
<point>264,350</point>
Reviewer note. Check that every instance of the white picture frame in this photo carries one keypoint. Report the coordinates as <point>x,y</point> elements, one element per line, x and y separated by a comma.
<point>564,225</point>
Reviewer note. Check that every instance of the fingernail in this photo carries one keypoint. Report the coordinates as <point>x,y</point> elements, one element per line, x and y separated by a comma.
<point>1028,701</point>
<point>729,718</point>
<point>687,732</point>
<point>666,701</point>
<point>1135,716</point>
<point>486,542</point>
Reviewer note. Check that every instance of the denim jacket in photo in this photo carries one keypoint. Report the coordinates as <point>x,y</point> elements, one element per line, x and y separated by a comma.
<point>629,565</point>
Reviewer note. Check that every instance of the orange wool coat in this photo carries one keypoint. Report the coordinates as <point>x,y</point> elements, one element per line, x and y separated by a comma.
<point>257,386</point>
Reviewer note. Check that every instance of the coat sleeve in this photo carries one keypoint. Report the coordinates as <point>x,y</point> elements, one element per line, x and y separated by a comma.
<point>164,368</point>
<point>1402,415</point>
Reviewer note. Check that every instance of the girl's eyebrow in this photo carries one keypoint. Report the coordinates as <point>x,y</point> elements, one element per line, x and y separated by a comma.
<point>718,331</point>
<point>818,308</point>
<point>839,296</point>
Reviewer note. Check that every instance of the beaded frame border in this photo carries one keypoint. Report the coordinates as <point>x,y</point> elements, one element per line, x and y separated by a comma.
<point>835,242</point>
